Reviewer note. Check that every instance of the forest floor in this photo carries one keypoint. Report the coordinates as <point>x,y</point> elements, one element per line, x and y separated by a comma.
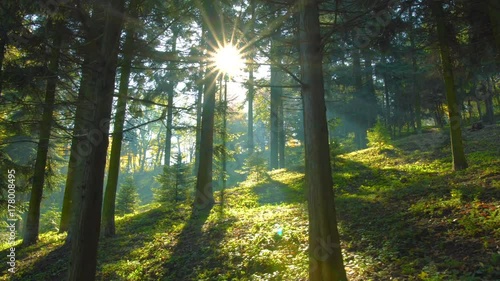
<point>403,215</point>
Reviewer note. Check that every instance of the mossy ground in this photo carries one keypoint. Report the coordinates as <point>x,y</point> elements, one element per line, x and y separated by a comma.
<point>404,215</point>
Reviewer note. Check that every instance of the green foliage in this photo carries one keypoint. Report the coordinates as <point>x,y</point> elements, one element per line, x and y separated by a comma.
<point>127,199</point>
<point>49,220</point>
<point>255,166</point>
<point>174,183</point>
<point>379,136</point>
<point>261,232</point>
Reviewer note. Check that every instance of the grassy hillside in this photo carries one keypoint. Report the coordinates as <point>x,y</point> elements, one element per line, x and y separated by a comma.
<point>404,215</point>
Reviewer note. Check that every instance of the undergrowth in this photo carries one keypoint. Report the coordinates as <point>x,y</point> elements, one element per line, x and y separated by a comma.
<point>403,215</point>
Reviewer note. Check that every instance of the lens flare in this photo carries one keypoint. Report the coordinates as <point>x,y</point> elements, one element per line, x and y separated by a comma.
<point>228,60</point>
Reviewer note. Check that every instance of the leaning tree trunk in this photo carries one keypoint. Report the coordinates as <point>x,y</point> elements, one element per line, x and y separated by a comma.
<point>204,197</point>
<point>103,37</point>
<point>33,217</point>
<point>325,257</point>
<point>457,148</point>
<point>108,210</point>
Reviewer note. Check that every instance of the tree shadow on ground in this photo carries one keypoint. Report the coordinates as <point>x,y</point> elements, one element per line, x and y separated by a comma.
<point>274,193</point>
<point>196,247</point>
<point>379,222</point>
<point>51,267</point>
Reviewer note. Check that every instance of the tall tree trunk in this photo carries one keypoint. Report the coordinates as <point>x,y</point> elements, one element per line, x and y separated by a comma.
<point>33,216</point>
<point>358,114</point>
<point>369,98</point>
<point>415,91</point>
<point>282,133</point>
<point>77,150</point>
<point>251,86</point>
<point>325,257</point>
<point>159,152</point>
<point>276,91</point>
<point>144,154</point>
<point>199,103</point>
<point>251,93</point>
<point>3,44</point>
<point>457,148</point>
<point>490,116</point>
<point>387,100</point>
<point>170,92</point>
<point>108,210</point>
<point>204,197</point>
<point>494,14</point>
<point>103,36</point>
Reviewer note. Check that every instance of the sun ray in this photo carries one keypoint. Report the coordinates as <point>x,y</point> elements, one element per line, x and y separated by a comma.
<point>228,60</point>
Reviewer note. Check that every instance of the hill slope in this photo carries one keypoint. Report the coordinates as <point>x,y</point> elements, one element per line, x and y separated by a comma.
<point>403,216</point>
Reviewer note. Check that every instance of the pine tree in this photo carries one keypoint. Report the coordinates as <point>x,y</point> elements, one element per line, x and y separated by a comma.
<point>127,199</point>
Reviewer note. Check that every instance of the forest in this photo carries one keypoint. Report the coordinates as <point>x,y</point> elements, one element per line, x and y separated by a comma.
<point>321,140</point>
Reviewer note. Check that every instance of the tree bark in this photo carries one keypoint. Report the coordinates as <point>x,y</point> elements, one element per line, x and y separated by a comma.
<point>325,257</point>
<point>251,87</point>
<point>274,116</point>
<point>3,44</point>
<point>33,216</point>
<point>77,150</point>
<point>204,198</point>
<point>494,15</point>
<point>102,37</point>
<point>199,103</point>
<point>281,132</point>
<point>415,91</point>
<point>457,148</point>
<point>358,114</point>
<point>170,102</point>
<point>251,93</point>
<point>108,210</point>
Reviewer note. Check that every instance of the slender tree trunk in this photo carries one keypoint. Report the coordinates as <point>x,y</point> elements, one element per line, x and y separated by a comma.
<point>199,103</point>
<point>494,14</point>
<point>490,116</point>
<point>459,161</point>
<point>103,36</point>
<point>159,152</point>
<point>358,114</point>
<point>275,101</point>
<point>415,91</point>
<point>3,44</point>
<point>251,93</point>
<point>282,133</point>
<point>144,154</point>
<point>204,198</point>
<point>370,100</point>
<point>251,87</point>
<point>387,101</point>
<point>325,257</point>
<point>170,92</point>
<point>108,210</point>
<point>33,216</point>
